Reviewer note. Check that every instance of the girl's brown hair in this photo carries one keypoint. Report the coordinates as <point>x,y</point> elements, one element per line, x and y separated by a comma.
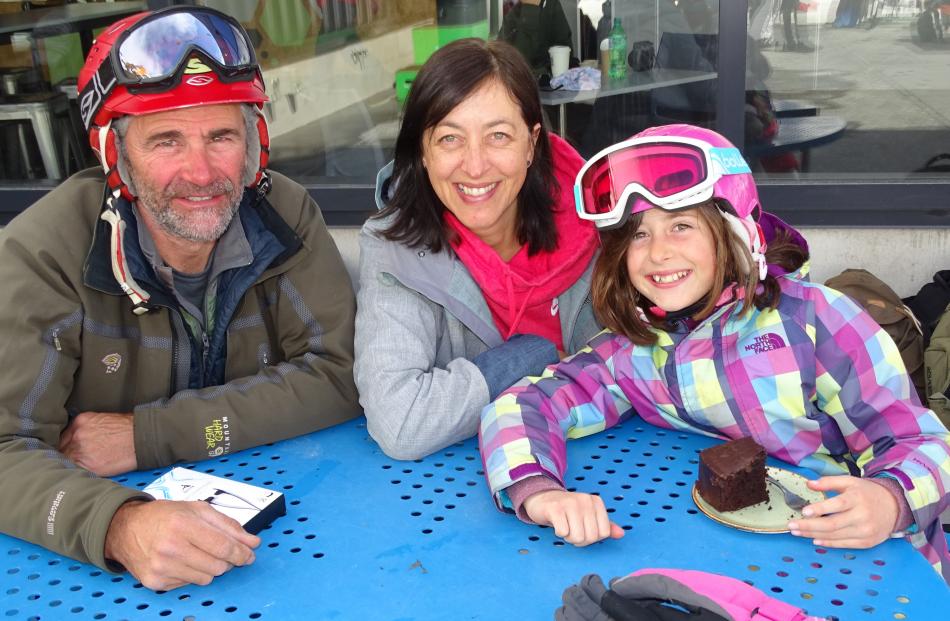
<point>618,304</point>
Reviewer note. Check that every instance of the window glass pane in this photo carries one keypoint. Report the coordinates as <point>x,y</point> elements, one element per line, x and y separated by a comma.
<point>835,91</point>
<point>42,46</point>
<point>670,62</point>
<point>337,71</point>
<point>331,69</point>
<point>849,90</point>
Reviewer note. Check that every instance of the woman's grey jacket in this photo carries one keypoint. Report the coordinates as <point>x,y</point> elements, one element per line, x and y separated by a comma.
<point>420,320</point>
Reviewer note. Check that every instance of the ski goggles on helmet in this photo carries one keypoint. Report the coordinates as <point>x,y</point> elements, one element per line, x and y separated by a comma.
<point>669,172</point>
<point>156,52</point>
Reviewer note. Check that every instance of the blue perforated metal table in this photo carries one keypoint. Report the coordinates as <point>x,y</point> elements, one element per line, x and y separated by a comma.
<point>366,537</point>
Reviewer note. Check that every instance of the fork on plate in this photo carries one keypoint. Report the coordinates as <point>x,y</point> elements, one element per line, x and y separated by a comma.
<point>793,500</point>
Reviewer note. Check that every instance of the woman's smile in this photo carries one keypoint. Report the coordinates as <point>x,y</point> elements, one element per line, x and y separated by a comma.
<point>476,191</point>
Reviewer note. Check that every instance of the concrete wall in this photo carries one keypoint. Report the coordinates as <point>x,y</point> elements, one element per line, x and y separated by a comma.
<point>905,259</point>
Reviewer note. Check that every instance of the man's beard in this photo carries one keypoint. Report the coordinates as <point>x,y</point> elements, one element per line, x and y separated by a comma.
<point>198,224</point>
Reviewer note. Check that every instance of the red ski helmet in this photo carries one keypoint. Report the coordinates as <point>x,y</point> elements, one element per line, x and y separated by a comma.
<point>165,60</point>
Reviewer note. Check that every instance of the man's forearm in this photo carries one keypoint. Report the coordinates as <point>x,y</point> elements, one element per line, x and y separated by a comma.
<point>102,443</point>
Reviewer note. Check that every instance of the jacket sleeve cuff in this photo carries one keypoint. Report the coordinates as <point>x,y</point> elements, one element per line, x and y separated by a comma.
<point>147,450</point>
<point>519,491</point>
<point>102,520</point>
<point>519,356</point>
<point>904,516</point>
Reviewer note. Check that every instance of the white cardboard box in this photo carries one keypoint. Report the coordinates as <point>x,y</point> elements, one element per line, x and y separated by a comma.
<point>253,507</point>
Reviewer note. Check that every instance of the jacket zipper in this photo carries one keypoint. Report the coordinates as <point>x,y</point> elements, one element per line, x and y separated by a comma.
<point>205,346</point>
<point>573,324</point>
<point>178,329</point>
<point>175,354</point>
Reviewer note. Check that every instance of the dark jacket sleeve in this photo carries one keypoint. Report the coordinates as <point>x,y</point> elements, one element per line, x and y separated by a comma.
<point>309,389</point>
<point>533,29</point>
<point>559,30</point>
<point>46,498</point>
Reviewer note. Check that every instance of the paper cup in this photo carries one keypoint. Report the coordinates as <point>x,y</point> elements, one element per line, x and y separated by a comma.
<point>560,57</point>
<point>604,58</point>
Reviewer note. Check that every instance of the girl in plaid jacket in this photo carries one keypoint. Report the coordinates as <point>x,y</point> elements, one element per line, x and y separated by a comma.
<point>711,332</point>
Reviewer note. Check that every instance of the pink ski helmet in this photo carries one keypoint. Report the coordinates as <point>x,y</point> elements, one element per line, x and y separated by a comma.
<point>672,167</point>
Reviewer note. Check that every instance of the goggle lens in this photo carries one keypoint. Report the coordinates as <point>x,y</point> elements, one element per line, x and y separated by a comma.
<point>663,169</point>
<point>154,50</point>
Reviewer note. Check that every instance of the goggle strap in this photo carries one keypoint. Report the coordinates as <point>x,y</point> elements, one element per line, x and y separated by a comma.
<point>750,234</point>
<point>95,93</point>
<point>137,294</point>
<point>103,144</point>
<point>758,254</point>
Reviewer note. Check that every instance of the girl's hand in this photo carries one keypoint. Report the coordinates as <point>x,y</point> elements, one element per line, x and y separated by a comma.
<point>862,515</point>
<point>580,519</point>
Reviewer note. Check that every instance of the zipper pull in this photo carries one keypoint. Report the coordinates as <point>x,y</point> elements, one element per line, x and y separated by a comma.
<point>56,343</point>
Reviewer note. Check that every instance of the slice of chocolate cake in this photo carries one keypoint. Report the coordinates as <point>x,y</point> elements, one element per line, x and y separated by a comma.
<point>732,475</point>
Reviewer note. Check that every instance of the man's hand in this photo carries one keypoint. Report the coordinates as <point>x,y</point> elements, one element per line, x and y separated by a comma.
<point>862,515</point>
<point>580,519</point>
<point>100,442</point>
<point>166,544</point>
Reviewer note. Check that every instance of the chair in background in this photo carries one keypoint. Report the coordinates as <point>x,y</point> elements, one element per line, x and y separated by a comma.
<point>74,137</point>
<point>799,127</point>
<point>38,110</point>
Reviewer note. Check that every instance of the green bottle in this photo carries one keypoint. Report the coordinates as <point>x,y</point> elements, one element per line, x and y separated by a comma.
<point>617,69</point>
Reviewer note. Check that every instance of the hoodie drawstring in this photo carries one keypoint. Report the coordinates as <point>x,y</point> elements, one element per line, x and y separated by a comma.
<point>512,300</point>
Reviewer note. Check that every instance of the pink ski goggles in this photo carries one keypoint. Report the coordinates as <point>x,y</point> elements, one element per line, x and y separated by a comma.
<point>669,172</point>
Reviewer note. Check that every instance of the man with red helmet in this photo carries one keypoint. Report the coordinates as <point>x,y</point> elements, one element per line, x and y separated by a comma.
<point>186,304</point>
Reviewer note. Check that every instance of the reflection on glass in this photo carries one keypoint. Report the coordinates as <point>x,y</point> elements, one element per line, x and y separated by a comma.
<point>816,68</point>
<point>336,72</point>
<point>334,115</point>
<point>672,68</point>
<point>835,89</point>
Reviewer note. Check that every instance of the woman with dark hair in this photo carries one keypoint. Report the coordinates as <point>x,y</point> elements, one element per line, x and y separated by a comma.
<point>476,271</point>
<point>711,330</point>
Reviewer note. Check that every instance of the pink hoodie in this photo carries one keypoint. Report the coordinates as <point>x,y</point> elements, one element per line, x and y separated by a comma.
<point>522,293</point>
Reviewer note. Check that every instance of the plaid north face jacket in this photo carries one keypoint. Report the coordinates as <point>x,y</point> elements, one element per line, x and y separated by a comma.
<point>816,382</point>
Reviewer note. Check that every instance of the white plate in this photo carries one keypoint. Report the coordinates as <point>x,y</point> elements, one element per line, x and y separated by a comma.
<point>771,516</point>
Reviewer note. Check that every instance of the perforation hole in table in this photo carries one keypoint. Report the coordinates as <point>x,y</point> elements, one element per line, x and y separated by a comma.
<point>65,589</point>
<point>433,489</point>
<point>645,476</point>
<point>47,584</point>
<point>844,574</point>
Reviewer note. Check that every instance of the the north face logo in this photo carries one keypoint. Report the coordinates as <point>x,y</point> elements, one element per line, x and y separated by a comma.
<point>766,342</point>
